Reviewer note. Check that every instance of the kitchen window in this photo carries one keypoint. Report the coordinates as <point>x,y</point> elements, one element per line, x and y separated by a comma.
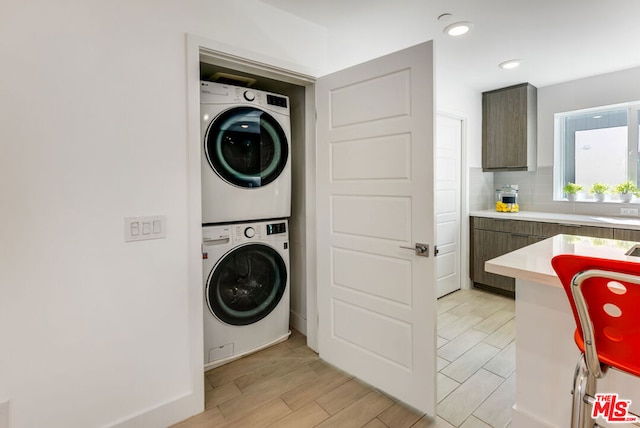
<point>598,145</point>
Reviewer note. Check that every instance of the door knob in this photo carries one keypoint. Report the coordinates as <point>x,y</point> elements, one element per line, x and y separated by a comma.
<point>419,249</point>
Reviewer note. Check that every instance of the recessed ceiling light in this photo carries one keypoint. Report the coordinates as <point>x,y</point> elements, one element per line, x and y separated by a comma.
<point>458,28</point>
<point>510,64</point>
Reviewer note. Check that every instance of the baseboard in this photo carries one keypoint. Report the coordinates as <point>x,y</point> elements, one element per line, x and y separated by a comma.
<point>494,290</point>
<point>166,414</point>
<point>298,322</point>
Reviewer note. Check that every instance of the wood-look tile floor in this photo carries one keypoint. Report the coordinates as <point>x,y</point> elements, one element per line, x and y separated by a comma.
<point>287,385</point>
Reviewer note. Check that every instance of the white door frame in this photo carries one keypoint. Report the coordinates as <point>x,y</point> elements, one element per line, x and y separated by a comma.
<point>255,63</point>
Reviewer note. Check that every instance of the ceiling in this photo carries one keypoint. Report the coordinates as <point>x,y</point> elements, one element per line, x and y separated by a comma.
<point>556,41</point>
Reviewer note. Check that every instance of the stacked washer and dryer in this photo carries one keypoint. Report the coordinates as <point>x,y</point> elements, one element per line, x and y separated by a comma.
<point>246,200</point>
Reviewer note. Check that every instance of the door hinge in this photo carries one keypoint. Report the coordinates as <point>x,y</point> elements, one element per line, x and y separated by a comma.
<point>435,251</point>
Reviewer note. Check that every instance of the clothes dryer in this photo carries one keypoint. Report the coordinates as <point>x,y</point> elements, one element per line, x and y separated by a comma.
<point>246,289</point>
<point>246,161</point>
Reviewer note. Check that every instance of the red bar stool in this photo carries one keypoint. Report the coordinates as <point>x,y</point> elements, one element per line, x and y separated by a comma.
<point>605,299</point>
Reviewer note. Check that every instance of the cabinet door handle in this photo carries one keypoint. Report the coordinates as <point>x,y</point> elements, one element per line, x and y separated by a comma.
<point>522,235</point>
<point>569,225</point>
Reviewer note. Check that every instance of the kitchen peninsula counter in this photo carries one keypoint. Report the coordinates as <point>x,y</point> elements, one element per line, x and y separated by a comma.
<point>546,354</point>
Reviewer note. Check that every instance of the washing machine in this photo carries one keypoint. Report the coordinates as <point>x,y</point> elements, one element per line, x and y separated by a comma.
<point>246,288</point>
<point>246,154</point>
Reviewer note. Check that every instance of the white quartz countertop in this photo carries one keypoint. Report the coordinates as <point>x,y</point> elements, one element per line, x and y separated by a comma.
<point>585,220</point>
<point>533,262</point>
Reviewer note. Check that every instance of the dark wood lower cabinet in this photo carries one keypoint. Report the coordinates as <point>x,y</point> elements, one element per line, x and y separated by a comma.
<point>626,235</point>
<point>488,244</point>
<point>491,238</point>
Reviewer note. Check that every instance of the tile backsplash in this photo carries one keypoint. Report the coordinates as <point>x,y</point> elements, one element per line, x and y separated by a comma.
<point>481,190</point>
<point>534,193</point>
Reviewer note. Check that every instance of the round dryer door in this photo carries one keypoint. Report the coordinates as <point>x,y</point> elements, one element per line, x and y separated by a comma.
<point>246,284</point>
<point>246,147</point>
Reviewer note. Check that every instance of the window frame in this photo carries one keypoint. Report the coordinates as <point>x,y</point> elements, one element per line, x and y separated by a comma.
<point>633,144</point>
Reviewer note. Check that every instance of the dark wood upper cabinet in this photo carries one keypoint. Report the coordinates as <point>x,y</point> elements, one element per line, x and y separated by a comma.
<point>509,128</point>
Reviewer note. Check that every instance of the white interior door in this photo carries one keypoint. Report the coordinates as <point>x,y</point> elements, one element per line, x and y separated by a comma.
<point>448,144</point>
<point>375,195</point>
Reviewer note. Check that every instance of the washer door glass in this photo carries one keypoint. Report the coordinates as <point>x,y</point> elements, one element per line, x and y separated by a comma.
<point>246,284</point>
<point>246,147</point>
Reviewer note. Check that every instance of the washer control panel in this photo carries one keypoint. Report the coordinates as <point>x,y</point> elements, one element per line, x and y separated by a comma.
<point>266,231</point>
<point>274,228</point>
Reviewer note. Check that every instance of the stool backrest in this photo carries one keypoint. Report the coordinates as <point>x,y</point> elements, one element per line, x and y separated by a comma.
<point>605,300</point>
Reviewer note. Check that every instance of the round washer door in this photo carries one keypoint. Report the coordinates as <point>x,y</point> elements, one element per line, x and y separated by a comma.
<point>246,284</point>
<point>246,147</point>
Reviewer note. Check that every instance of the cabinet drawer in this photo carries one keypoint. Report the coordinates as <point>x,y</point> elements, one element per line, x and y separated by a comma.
<point>552,229</point>
<point>504,225</point>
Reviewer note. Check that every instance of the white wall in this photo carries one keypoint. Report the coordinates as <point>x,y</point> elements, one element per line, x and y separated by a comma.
<point>466,102</point>
<point>93,104</point>
<point>601,90</point>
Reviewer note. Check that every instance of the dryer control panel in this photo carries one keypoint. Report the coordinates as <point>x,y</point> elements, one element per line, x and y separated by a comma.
<point>219,93</point>
<point>276,100</point>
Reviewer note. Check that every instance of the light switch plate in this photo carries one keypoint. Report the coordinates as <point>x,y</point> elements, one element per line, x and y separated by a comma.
<point>143,228</point>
